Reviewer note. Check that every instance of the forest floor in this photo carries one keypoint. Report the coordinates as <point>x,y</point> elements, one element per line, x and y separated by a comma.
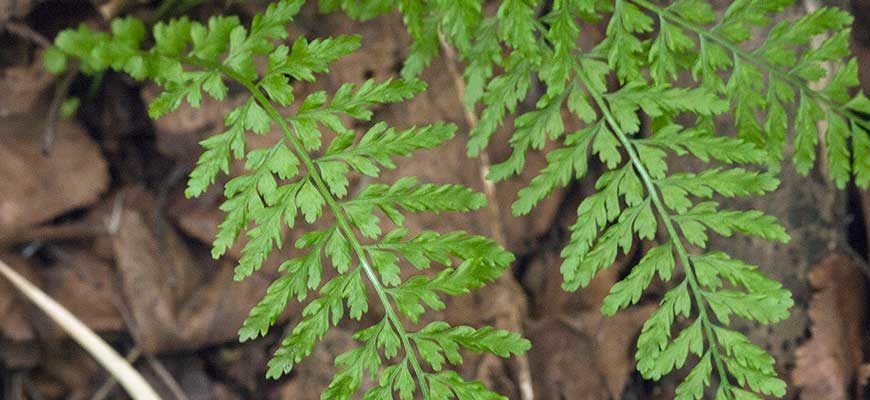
<point>92,211</point>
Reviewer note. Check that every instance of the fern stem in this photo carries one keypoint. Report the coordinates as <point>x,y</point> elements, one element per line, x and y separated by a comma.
<point>682,253</point>
<point>334,206</point>
<point>758,62</point>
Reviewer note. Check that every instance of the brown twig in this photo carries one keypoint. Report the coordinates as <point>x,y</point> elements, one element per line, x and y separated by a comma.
<point>25,32</point>
<point>137,387</point>
<point>108,387</point>
<point>60,92</point>
<point>166,377</point>
<point>524,375</point>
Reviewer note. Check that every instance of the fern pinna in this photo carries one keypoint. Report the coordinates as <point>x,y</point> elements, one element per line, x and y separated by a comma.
<point>296,177</point>
<point>683,70</point>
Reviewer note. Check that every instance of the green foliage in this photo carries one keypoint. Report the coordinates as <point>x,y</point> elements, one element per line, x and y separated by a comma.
<point>298,177</point>
<point>791,90</point>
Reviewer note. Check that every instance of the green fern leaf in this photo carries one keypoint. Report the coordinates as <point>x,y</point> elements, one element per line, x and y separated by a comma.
<point>294,177</point>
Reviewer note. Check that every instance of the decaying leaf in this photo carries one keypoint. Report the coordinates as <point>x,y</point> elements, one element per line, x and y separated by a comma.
<point>828,364</point>
<point>610,339</point>
<point>37,187</point>
<point>177,300</point>
<point>77,271</point>
<point>561,374</point>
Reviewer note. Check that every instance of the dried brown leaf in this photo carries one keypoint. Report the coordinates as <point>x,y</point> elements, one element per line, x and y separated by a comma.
<point>177,300</point>
<point>827,364</point>
<point>37,187</point>
<point>78,272</point>
<point>564,363</point>
<point>22,86</point>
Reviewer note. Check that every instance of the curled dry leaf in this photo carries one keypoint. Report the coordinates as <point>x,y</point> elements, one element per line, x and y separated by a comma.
<point>176,300</point>
<point>36,187</point>
<point>828,363</point>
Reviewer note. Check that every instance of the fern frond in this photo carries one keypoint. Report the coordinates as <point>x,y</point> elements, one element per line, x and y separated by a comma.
<point>646,48</point>
<point>294,178</point>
